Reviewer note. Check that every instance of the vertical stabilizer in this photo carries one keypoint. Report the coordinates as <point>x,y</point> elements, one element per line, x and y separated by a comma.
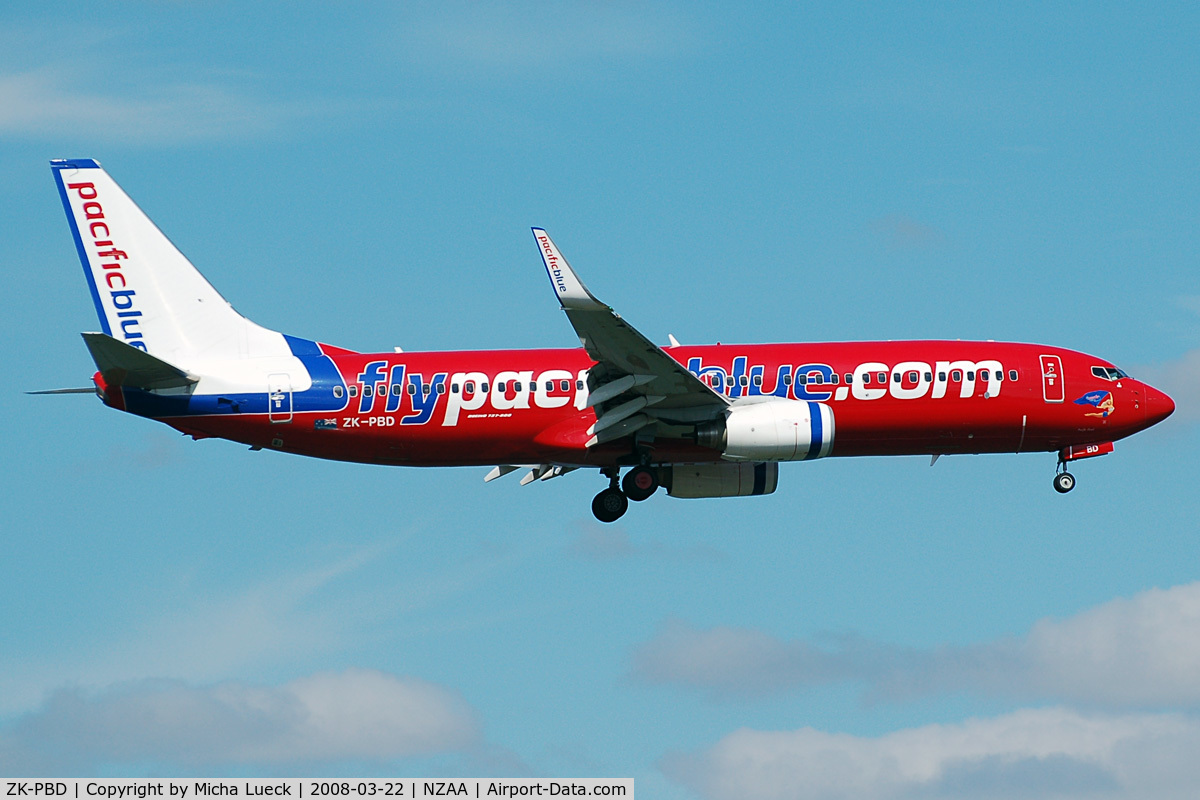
<point>147,294</point>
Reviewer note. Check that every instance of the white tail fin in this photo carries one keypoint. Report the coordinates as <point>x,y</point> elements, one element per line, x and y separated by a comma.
<point>148,295</point>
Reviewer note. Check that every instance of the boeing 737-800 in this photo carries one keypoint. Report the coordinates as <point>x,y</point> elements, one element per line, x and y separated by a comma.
<point>700,421</point>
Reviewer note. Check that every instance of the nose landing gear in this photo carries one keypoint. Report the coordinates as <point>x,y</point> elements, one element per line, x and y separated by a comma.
<point>1064,482</point>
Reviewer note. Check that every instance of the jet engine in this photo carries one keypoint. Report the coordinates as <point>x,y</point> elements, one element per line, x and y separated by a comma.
<point>719,480</point>
<point>771,430</point>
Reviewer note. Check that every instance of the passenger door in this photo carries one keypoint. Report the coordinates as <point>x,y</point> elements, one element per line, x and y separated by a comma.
<point>279,397</point>
<point>1053,390</point>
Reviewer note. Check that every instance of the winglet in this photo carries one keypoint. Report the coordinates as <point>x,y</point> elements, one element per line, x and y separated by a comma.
<point>570,290</point>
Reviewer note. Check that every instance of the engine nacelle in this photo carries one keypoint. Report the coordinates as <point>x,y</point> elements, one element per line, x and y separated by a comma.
<point>720,480</point>
<point>771,430</point>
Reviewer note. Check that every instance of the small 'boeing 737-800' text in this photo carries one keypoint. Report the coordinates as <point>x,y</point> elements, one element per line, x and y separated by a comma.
<point>702,421</point>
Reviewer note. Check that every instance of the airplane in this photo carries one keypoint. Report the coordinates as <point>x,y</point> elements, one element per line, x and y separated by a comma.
<point>700,421</point>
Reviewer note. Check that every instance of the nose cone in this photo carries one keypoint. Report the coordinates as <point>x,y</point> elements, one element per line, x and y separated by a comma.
<point>1158,406</point>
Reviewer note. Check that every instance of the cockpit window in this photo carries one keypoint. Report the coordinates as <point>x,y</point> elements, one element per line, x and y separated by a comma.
<point>1109,373</point>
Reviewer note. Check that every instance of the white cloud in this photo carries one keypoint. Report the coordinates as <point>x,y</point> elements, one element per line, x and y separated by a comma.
<point>726,660</point>
<point>552,35</point>
<point>1142,651</point>
<point>357,715</point>
<point>598,542</point>
<point>1043,753</point>
<point>215,633</point>
<point>52,102</point>
<point>902,232</point>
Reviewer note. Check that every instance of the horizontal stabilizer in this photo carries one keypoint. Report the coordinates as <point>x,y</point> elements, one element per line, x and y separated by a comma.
<point>124,365</point>
<point>80,390</point>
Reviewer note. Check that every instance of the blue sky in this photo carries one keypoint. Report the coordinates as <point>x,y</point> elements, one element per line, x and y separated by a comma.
<point>366,175</point>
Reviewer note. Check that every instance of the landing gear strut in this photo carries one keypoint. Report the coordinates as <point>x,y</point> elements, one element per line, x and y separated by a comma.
<point>611,504</point>
<point>1063,480</point>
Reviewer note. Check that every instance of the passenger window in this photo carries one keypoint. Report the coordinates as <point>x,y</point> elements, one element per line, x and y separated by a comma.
<point>956,375</point>
<point>758,380</point>
<point>833,378</point>
<point>579,385</point>
<point>353,390</point>
<point>928,376</point>
<point>913,377</point>
<point>849,377</point>
<point>483,387</point>
<point>818,378</point>
<point>398,390</point>
<point>970,375</point>
<point>1012,374</point>
<point>787,380</point>
<point>412,388</point>
<point>516,386</point>
<point>502,387</point>
<point>942,377</point>
<point>999,375</point>
<point>802,380</point>
<point>367,390</point>
<point>895,377</point>
<point>338,391</point>
<point>883,377</point>
<point>866,378</point>
<point>470,385</point>
<point>564,386</point>
<point>744,381</point>
<point>425,389</point>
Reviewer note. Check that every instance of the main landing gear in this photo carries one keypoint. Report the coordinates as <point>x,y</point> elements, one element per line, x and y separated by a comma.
<point>612,503</point>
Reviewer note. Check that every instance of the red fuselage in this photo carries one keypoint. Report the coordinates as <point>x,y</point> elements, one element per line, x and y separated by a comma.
<point>887,398</point>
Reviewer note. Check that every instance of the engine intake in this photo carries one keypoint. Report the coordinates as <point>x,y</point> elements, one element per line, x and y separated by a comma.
<point>772,430</point>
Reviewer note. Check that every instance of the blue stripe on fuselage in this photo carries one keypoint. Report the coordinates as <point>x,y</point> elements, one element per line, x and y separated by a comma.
<point>318,397</point>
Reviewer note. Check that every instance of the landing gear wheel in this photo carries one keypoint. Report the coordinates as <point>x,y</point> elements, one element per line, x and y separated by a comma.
<point>609,505</point>
<point>639,483</point>
<point>1064,482</point>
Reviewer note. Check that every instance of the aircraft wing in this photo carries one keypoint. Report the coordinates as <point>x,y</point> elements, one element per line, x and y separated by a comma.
<point>634,382</point>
